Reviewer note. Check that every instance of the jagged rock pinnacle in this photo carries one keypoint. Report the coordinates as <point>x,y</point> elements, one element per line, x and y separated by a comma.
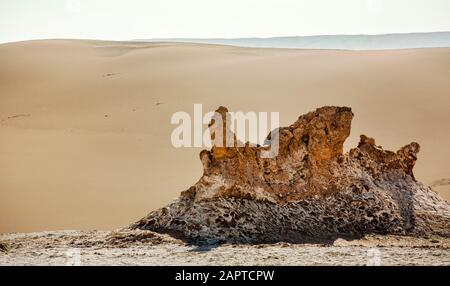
<point>311,189</point>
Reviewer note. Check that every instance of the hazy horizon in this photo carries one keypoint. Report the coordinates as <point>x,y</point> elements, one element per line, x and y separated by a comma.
<point>361,42</point>
<point>341,42</point>
<point>138,19</point>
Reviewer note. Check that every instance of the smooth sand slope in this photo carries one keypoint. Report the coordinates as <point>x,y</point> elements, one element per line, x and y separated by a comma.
<point>85,125</point>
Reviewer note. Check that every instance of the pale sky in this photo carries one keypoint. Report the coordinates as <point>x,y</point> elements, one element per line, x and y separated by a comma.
<point>145,19</point>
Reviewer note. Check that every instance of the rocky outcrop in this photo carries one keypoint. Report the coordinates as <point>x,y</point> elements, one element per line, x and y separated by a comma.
<point>310,190</point>
<point>3,247</point>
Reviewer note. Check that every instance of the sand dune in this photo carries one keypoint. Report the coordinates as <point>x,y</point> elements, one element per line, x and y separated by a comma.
<point>85,125</point>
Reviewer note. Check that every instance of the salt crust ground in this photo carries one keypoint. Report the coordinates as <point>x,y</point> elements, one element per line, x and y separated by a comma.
<point>137,247</point>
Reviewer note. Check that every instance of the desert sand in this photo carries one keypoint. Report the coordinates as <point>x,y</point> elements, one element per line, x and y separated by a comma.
<point>85,125</point>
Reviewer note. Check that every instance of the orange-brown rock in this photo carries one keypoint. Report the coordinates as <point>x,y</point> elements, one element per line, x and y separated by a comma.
<point>309,162</point>
<point>311,189</point>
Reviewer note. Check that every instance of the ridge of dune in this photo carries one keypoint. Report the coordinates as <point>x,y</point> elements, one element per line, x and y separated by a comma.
<point>84,120</point>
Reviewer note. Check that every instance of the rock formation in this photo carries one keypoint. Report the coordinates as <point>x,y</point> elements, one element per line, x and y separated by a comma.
<point>3,247</point>
<point>310,191</point>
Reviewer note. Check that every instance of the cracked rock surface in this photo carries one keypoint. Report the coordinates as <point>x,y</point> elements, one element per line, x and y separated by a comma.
<point>310,191</point>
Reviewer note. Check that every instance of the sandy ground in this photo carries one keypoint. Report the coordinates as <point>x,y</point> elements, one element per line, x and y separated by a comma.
<point>148,248</point>
<point>85,125</point>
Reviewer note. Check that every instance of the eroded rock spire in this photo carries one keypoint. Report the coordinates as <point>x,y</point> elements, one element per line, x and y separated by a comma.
<point>310,189</point>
